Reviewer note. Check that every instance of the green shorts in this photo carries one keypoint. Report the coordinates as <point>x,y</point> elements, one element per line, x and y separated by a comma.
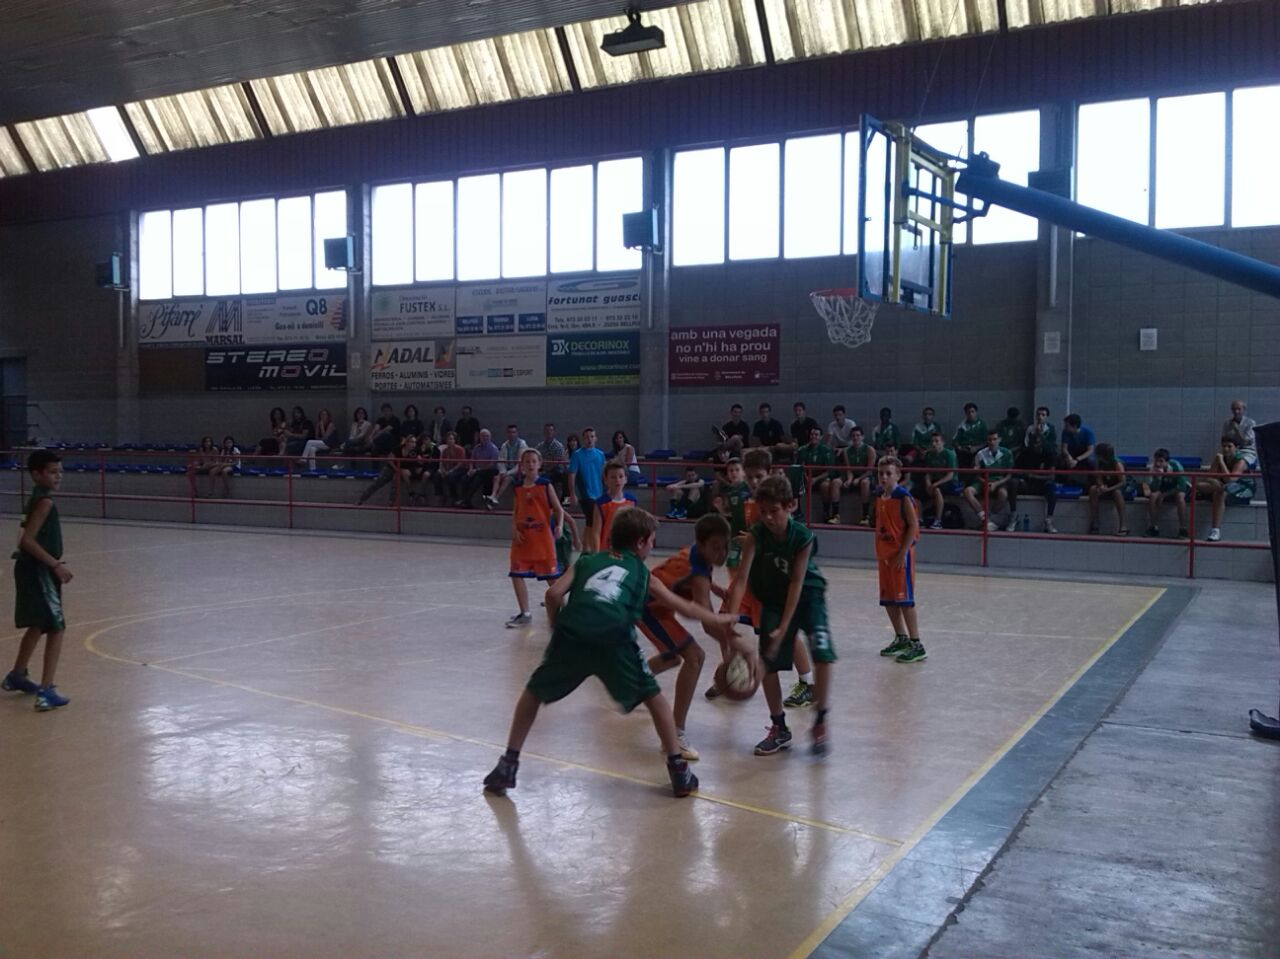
<point>37,597</point>
<point>620,666</point>
<point>811,619</point>
<point>564,553</point>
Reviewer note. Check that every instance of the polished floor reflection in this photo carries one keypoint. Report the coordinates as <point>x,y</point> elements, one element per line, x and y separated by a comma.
<point>275,745</point>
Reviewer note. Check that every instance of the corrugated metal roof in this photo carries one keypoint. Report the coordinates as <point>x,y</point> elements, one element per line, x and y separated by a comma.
<point>484,71</point>
<point>200,119</point>
<point>808,28</point>
<point>62,141</point>
<point>11,162</point>
<point>329,97</point>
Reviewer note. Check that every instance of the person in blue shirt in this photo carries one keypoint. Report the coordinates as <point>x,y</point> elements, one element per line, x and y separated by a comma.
<point>1078,444</point>
<point>586,479</point>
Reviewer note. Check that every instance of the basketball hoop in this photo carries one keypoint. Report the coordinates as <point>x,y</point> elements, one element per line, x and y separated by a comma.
<point>848,316</point>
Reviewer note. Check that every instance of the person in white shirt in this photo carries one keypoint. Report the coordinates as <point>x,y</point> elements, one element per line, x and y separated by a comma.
<point>508,465</point>
<point>1240,429</point>
<point>839,430</point>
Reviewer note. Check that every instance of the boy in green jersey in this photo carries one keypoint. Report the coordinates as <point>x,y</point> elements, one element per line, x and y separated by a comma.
<point>1236,491</point>
<point>732,494</point>
<point>970,436</point>
<point>860,457</point>
<point>593,610</point>
<point>1012,431</point>
<point>920,436</point>
<point>887,433</point>
<point>999,486</point>
<point>1167,481</point>
<point>824,487</point>
<point>777,564</point>
<point>39,574</point>
<point>940,481</point>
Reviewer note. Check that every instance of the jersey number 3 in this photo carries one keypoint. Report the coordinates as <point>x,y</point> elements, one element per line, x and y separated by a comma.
<point>607,584</point>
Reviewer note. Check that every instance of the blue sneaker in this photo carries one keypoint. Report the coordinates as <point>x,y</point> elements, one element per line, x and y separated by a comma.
<point>47,698</point>
<point>17,682</point>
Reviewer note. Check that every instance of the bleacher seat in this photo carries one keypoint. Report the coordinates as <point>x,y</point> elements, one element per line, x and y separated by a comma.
<point>660,455</point>
<point>1190,463</point>
<point>697,456</point>
<point>1133,462</point>
<point>1069,491</point>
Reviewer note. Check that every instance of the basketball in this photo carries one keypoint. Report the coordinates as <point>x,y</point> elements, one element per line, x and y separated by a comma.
<point>736,678</point>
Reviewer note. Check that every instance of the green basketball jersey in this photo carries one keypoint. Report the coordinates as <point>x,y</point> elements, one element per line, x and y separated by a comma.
<point>858,455</point>
<point>943,460</point>
<point>49,536</point>
<point>606,599</point>
<point>1000,459</point>
<point>887,435</point>
<point>920,435</point>
<point>771,569</point>
<point>735,500</point>
<point>820,455</point>
<point>1011,433</point>
<point>970,434</point>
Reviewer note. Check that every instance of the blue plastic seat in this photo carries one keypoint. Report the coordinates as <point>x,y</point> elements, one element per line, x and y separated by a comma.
<point>698,456</point>
<point>1133,462</point>
<point>660,455</point>
<point>1069,491</point>
<point>1190,463</point>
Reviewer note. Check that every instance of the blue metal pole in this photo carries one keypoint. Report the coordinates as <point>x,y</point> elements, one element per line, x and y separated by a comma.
<point>1252,274</point>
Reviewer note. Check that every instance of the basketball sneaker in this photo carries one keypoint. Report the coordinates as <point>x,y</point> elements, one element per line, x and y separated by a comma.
<point>818,739</point>
<point>914,653</point>
<point>1048,525</point>
<point>935,524</point>
<point>899,645</point>
<point>18,682</point>
<point>47,698</point>
<point>1215,534</point>
<point>519,619</point>
<point>683,781</point>
<point>779,738</point>
<point>503,776</point>
<point>712,692</point>
<point>1153,531</point>
<point>801,696</point>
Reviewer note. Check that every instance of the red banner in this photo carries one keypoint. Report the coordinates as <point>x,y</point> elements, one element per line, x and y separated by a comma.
<point>724,355</point>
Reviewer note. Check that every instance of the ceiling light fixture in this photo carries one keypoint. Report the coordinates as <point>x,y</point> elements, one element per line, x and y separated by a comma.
<point>635,37</point>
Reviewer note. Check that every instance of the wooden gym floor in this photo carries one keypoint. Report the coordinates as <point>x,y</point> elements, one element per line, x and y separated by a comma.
<point>275,746</point>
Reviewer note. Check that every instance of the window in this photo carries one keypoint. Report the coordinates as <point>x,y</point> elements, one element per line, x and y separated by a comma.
<point>572,215</point>
<point>393,233</point>
<point>524,223</point>
<point>222,249</point>
<point>155,264</point>
<point>753,202</point>
<point>479,227</point>
<point>258,246</point>
<point>619,190</point>
<point>811,196</point>
<point>188,252</point>
<point>293,242</point>
<point>330,213</point>
<point>698,207</point>
<point>1013,141</point>
<point>107,123</point>
<point>1255,143</point>
<point>1113,158</point>
<point>433,231</point>
<point>852,163</point>
<point>1191,160</point>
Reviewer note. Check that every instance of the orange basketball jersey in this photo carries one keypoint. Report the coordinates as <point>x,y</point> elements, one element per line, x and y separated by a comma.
<point>891,520</point>
<point>674,572</point>
<point>535,519</point>
<point>608,510</point>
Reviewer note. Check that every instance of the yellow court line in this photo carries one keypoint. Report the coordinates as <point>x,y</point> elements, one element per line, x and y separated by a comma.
<point>850,902</point>
<point>425,732</point>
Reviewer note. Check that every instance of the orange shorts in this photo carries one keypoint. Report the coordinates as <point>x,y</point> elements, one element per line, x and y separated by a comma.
<point>666,632</point>
<point>897,585</point>
<point>748,610</point>
<point>534,567</point>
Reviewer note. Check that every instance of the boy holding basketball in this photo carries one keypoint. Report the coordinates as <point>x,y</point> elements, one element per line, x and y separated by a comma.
<point>777,563</point>
<point>39,574</point>
<point>897,529</point>
<point>593,610</point>
<point>537,522</point>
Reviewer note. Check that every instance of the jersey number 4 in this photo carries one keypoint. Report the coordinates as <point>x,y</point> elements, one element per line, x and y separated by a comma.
<point>607,584</point>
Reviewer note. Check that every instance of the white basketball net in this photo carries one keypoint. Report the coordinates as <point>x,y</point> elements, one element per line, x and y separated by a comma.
<point>848,316</point>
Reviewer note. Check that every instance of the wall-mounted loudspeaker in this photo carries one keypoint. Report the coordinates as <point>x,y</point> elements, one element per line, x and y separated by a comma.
<point>340,253</point>
<point>109,274</point>
<point>640,230</point>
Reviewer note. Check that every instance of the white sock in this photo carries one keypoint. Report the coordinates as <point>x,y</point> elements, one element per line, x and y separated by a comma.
<point>807,678</point>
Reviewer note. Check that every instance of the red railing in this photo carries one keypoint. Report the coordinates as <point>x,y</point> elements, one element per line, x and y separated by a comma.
<point>287,468</point>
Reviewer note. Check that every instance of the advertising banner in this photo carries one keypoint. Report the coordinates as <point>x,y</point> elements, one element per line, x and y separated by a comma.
<point>413,367</point>
<point>501,363</point>
<point>593,359</point>
<point>724,355</point>
<point>294,367</point>
<point>612,303</point>
<point>501,308</point>
<point>244,321</point>
<point>421,313</point>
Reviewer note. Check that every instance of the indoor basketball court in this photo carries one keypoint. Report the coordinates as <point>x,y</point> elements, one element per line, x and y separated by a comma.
<point>279,738</point>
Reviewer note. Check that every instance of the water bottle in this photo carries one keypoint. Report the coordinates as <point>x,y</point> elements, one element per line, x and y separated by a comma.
<point>1025,523</point>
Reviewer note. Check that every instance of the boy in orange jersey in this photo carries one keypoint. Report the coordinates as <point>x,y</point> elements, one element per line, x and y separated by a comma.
<point>897,529</point>
<point>537,522</point>
<point>615,498</point>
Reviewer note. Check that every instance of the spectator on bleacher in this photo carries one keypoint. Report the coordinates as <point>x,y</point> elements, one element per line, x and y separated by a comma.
<point>768,432</point>
<point>398,461</point>
<point>1012,431</point>
<point>887,433</point>
<point>438,426</point>
<point>453,466</point>
<point>386,431</point>
<point>1240,428</point>
<point>1167,481</point>
<point>203,463</point>
<point>1040,452</point>
<point>412,424</point>
<point>482,468</point>
<point>571,443</point>
<point>970,436</point>
<point>326,438</point>
<point>360,434</point>
<point>801,426</point>
<point>921,437</point>
<point>820,482</point>
<point>736,426</point>
<point>839,429</point>
<point>860,459</point>
<point>624,454</point>
<point>508,465</point>
<point>427,472</point>
<point>467,428</point>
<point>941,479</point>
<point>688,500</point>
<point>1078,443</point>
<point>228,463</point>
<point>299,431</point>
<point>555,460</point>
<point>273,443</point>
<point>1110,482</point>
<point>998,488</point>
<point>1230,492</point>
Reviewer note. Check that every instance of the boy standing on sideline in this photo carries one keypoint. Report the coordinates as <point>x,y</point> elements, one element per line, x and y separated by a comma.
<point>537,523</point>
<point>897,529</point>
<point>39,574</point>
<point>615,498</point>
<point>593,610</point>
<point>586,483</point>
<point>777,562</point>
